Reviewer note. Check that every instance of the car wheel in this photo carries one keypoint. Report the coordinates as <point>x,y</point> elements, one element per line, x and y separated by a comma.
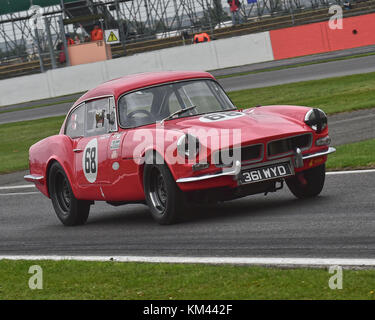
<point>310,184</point>
<point>164,198</point>
<point>68,208</point>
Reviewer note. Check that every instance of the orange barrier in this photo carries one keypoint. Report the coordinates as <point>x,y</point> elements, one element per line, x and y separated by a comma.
<point>318,37</point>
<point>89,52</point>
<point>357,32</point>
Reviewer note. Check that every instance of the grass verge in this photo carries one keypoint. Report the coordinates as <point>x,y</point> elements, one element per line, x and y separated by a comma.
<point>16,139</point>
<point>332,95</point>
<point>111,280</point>
<point>357,155</point>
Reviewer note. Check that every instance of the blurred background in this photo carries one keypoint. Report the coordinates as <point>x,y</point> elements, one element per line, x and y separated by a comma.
<point>35,34</point>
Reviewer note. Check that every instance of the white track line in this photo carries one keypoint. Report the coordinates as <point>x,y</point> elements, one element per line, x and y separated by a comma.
<point>19,193</point>
<point>25,186</point>
<point>287,262</point>
<point>350,172</point>
<point>328,173</point>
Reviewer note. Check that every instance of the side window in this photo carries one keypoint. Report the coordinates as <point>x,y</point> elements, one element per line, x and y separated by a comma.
<point>135,108</point>
<point>75,126</point>
<point>173,103</point>
<point>198,93</point>
<point>140,100</point>
<point>224,100</point>
<point>96,117</point>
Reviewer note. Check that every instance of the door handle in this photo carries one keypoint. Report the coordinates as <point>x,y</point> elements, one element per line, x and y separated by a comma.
<point>77,150</point>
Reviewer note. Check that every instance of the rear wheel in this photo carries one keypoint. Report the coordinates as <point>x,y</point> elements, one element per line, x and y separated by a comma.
<point>164,198</point>
<point>68,208</point>
<point>309,183</point>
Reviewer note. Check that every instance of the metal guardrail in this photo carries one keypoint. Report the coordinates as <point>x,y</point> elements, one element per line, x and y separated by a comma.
<point>257,25</point>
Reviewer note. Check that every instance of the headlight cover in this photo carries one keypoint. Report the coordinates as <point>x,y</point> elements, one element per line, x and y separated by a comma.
<point>316,119</point>
<point>188,146</point>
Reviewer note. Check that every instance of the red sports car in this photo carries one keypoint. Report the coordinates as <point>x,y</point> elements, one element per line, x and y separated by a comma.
<point>172,138</point>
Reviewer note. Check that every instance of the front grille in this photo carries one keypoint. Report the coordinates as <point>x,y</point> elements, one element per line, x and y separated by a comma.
<point>288,145</point>
<point>249,154</point>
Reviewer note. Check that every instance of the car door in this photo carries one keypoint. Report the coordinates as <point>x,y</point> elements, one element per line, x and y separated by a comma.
<point>75,129</point>
<point>91,150</point>
<point>114,145</point>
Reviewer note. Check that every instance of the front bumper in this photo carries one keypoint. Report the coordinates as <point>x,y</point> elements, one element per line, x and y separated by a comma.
<point>34,178</point>
<point>319,154</point>
<point>230,172</point>
<point>237,168</point>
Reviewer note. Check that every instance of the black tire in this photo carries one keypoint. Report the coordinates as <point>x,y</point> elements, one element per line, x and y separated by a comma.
<point>163,197</point>
<point>314,178</point>
<point>69,210</point>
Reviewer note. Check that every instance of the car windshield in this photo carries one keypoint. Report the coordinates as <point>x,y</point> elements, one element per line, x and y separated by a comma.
<point>154,104</point>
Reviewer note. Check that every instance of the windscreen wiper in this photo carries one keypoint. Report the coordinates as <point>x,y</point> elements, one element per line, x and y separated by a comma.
<point>178,112</point>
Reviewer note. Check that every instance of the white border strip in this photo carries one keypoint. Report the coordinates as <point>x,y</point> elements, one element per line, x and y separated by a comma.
<point>350,172</point>
<point>291,262</point>
<point>19,193</point>
<point>328,173</point>
<point>18,187</point>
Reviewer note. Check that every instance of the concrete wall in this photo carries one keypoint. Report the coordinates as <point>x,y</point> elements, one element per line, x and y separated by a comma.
<point>266,46</point>
<point>212,55</point>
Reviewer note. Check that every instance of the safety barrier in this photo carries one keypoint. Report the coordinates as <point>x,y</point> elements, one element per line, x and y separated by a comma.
<point>253,25</point>
<point>218,54</point>
<point>318,37</point>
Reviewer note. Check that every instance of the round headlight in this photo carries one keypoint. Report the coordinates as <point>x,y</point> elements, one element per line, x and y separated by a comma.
<point>316,119</point>
<point>188,146</point>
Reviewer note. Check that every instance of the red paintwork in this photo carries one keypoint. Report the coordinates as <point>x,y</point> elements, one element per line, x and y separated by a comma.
<point>258,125</point>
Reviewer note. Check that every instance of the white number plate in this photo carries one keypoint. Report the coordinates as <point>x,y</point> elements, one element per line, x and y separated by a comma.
<point>279,170</point>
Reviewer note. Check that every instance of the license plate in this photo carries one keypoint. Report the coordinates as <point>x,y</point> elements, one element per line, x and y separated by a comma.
<point>273,171</point>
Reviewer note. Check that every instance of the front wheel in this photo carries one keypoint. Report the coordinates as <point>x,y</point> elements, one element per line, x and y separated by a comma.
<point>163,196</point>
<point>309,183</point>
<point>68,208</point>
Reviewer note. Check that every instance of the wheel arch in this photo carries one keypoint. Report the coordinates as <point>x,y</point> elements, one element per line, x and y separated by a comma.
<point>68,173</point>
<point>141,168</point>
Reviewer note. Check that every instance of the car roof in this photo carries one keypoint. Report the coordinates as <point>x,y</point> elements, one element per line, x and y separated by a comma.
<point>132,82</point>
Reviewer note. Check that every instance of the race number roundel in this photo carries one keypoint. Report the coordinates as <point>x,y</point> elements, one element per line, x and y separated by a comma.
<point>222,116</point>
<point>90,161</point>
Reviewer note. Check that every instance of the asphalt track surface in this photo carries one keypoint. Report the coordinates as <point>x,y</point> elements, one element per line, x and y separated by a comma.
<point>340,223</point>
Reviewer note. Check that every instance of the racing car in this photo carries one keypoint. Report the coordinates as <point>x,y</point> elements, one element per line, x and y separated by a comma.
<point>170,139</point>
